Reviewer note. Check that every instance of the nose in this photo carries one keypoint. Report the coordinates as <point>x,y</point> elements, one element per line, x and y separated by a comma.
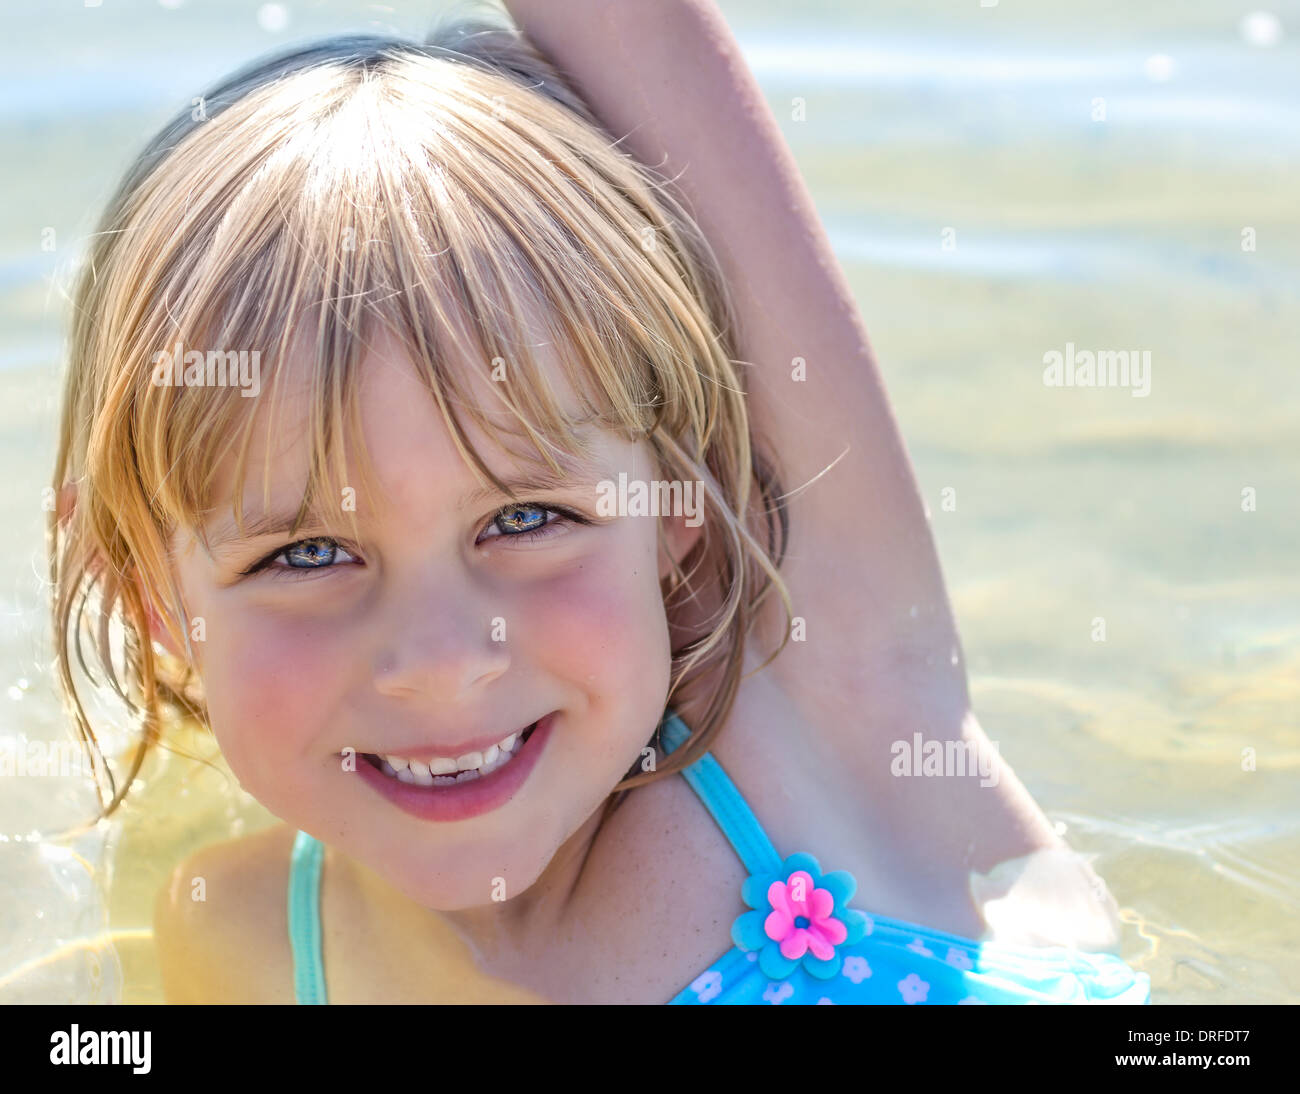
<point>441,642</point>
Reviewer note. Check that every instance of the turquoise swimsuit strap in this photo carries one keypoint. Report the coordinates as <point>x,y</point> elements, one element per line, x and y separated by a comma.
<point>304,919</point>
<point>723,800</point>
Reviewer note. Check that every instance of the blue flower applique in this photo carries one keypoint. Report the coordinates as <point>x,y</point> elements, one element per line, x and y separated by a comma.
<point>800,917</point>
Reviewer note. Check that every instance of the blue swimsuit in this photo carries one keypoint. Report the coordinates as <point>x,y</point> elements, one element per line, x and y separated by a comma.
<point>800,941</point>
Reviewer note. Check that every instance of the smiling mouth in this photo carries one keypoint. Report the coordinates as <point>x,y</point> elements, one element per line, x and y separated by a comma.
<point>468,768</point>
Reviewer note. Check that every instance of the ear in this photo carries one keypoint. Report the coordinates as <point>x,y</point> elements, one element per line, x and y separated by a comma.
<point>67,501</point>
<point>680,534</point>
<point>67,504</point>
<point>158,629</point>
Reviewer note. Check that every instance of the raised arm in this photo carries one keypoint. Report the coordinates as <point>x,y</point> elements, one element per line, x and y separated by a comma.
<point>881,659</point>
<point>668,78</point>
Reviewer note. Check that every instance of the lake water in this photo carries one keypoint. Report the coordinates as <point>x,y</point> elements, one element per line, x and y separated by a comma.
<point>1000,184</point>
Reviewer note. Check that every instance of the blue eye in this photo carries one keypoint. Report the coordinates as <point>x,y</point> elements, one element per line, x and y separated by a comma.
<point>313,554</point>
<point>520,518</point>
<point>318,553</point>
<point>526,521</point>
<point>517,521</point>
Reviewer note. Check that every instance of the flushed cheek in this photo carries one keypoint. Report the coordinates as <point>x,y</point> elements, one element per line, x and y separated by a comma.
<point>601,627</point>
<point>269,693</point>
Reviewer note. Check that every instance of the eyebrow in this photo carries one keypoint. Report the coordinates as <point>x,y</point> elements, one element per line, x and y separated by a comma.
<point>281,522</point>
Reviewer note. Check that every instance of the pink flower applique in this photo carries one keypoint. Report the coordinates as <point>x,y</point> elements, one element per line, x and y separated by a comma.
<point>802,918</point>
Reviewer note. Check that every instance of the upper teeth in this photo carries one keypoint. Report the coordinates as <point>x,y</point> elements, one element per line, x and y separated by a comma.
<point>469,766</point>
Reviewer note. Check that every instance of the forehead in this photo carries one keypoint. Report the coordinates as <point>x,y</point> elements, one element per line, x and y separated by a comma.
<point>406,438</point>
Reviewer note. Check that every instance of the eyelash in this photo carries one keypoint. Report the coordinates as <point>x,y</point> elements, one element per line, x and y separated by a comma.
<point>294,572</point>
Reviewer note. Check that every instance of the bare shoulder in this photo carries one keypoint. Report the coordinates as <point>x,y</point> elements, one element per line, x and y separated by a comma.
<point>221,925</point>
<point>970,854</point>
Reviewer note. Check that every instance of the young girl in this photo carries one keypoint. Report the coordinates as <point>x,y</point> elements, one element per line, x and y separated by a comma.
<point>495,461</point>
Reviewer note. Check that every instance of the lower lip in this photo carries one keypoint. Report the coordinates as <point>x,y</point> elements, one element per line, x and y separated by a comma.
<point>468,799</point>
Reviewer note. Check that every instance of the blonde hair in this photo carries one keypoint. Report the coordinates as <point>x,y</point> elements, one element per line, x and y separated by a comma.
<point>440,191</point>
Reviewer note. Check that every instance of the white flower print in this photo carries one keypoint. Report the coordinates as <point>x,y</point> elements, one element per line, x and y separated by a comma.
<point>913,989</point>
<point>958,959</point>
<point>707,985</point>
<point>856,969</point>
<point>776,992</point>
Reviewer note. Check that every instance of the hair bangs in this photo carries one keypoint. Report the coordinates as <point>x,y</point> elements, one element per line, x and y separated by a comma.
<point>471,247</point>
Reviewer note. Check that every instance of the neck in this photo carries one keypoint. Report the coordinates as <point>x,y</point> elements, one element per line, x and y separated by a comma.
<point>502,939</point>
<point>505,931</point>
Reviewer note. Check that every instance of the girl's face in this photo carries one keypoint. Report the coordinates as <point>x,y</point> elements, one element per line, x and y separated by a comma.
<point>438,633</point>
